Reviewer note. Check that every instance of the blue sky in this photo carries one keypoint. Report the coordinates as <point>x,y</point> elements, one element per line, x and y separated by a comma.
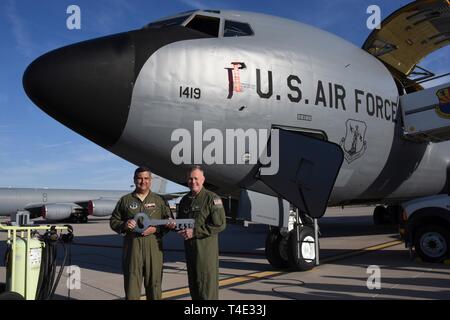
<point>37,151</point>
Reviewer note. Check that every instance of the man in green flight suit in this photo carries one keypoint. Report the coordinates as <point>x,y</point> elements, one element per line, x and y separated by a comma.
<point>201,243</point>
<point>142,253</point>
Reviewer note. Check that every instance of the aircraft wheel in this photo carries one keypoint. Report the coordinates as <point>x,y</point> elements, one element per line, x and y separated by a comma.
<point>302,257</point>
<point>380,216</point>
<point>276,250</point>
<point>84,219</point>
<point>432,243</point>
<point>10,295</point>
<point>394,213</point>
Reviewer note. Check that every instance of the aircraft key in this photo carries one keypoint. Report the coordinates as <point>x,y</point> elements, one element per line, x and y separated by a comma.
<point>143,222</point>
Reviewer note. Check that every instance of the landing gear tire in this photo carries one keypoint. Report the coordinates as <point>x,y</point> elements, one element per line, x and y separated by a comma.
<point>276,250</point>
<point>11,296</point>
<point>301,257</point>
<point>394,214</point>
<point>79,219</point>
<point>380,216</point>
<point>432,243</point>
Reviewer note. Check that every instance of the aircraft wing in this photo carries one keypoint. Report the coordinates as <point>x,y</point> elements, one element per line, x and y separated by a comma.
<point>409,35</point>
<point>75,209</point>
<point>76,204</point>
<point>35,209</point>
<point>78,210</point>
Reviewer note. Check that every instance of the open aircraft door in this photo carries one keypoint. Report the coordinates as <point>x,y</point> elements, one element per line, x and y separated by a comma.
<point>408,36</point>
<point>307,170</point>
<point>405,38</point>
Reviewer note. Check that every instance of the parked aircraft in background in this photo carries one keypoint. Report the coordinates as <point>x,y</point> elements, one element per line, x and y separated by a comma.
<point>73,204</point>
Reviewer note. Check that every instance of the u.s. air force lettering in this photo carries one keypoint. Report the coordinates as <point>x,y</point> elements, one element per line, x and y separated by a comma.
<point>271,83</point>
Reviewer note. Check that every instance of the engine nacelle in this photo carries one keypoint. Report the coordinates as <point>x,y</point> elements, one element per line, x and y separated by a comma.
<point>59,211</point>
<point>101,207</point>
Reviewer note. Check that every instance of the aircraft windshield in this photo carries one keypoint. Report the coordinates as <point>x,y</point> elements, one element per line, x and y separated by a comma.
<point>205,24</point>
<point>237,29</point>
<point>177,21</point>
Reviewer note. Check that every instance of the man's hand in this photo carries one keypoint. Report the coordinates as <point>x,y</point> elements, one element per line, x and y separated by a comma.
<point>171,225</point>
<point>149,230</point>
<point>130,224</point>
<point>187,233</point>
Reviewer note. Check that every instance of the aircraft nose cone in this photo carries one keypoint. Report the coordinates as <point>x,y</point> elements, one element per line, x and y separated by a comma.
<point>86,86</point>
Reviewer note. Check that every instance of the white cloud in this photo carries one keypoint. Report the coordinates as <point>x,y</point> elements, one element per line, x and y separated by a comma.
<point>19,30</point>
<point>199,4</point>
<point>87,152</point>
<point>56,145</point>
<point>110,13</point>
<point>66,165</point>
<point>195,4</point>
<point>327,14</point>
<point>28,168</point>
<point>96,157</point>
<point>62,174</point>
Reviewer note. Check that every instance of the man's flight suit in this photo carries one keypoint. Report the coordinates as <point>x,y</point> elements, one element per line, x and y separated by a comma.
<point>202,251</point>
<point>142,256</point>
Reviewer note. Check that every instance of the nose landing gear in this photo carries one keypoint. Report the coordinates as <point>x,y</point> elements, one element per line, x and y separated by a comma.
<point>296,248</point>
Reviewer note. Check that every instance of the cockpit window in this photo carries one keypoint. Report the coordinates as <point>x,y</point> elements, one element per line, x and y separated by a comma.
<point>177,21</point>
<point>237,29</point>
<point>208,25</point>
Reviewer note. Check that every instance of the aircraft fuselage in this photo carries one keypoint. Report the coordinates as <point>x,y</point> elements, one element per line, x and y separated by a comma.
<point>287,75</point>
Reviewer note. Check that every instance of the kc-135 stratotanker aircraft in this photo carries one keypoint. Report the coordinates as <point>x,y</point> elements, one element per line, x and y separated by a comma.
<point>348,125</point>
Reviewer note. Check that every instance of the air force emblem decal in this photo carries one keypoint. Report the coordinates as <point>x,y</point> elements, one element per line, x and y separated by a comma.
<point>354,143</point>
<point>133,206</point>
<point>443,108</point>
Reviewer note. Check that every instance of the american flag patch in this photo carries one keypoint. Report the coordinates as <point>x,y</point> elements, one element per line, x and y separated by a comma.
<point>217,202</point>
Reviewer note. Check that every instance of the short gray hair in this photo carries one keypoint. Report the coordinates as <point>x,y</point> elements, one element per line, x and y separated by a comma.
<point>195,167</point>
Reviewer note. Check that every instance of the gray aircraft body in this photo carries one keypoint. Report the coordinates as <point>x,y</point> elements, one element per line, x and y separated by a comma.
<point>73,204</point>
<point>231,69</point>
<point>59,204</point>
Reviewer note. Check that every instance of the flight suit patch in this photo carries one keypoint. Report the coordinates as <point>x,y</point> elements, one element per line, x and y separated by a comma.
<point>150,205</point>
<point>134,206</point>
<point>218,202</point>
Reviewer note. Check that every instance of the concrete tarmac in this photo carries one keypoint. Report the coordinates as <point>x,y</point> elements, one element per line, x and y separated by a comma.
<point>349,242</point>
